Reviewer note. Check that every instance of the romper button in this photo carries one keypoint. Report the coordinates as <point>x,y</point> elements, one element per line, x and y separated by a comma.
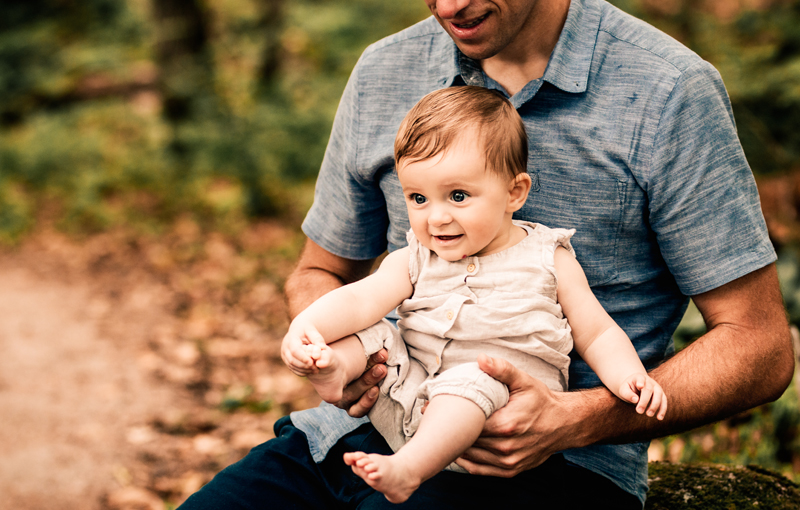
<point>449,315</point>
<point>438,361</point>
<point>471,268</point>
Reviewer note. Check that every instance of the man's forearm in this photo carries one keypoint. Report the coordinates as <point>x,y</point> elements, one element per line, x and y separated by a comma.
<point>694,399</point>
<point>317,273</point>
<point>735,366</point>
<point>305,286</point>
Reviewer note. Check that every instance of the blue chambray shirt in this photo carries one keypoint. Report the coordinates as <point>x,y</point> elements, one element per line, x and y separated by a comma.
<point>632,142</point>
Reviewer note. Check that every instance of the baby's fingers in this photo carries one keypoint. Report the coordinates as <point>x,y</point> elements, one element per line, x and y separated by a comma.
<point>628,395</point>
<point>645,396</point>
<point>658,404</point>
<point>299,358</point>
<point>296,357</point>
<point>312,335</point>
<point>298,367</point>
<point>629,390</point>
<point>314,352</point>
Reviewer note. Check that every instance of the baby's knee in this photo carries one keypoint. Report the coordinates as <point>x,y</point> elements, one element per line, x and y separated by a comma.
<point>470,382</point>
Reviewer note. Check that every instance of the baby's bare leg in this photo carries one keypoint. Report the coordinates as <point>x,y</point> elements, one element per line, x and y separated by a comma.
<point>338,364</point>
<point>449,426</point>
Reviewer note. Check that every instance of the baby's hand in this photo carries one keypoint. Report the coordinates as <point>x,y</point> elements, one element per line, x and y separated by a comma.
<point>301,348</point>
<point>646,393</point>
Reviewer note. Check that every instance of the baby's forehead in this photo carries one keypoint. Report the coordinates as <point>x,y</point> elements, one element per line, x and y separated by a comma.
<point>440,174</point>
<point>455,148</point>
<point>431,163</point>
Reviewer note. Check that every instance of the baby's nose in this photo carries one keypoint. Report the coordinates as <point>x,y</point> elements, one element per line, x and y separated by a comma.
<point>439,216</point>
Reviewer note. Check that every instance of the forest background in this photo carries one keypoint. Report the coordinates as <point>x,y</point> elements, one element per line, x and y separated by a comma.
<point>161,125</point>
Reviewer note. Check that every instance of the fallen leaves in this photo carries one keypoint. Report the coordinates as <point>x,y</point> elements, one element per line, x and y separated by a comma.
<point>214,344</point>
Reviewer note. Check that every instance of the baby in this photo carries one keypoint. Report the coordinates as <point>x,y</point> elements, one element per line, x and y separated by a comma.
<point>471,282</point>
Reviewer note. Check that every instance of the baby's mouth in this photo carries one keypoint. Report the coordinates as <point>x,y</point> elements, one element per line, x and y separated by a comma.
<point>473,23</point>
<point>447,238</point>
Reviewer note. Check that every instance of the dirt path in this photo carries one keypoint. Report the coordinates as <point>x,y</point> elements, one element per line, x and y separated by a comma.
<point>68,392</point>
<point>121,388</point>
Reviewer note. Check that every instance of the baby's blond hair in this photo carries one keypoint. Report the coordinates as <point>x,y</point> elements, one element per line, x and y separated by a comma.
<point>437,120</point>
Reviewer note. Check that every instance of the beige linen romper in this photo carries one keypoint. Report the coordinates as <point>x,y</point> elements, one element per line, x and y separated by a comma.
<point>503,305</point>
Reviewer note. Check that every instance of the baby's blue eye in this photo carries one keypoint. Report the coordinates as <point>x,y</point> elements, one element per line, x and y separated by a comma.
<point>418,199</point>
<point>459,196</point>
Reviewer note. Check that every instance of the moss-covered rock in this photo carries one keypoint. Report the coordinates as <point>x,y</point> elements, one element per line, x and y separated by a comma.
<point>719,487</point>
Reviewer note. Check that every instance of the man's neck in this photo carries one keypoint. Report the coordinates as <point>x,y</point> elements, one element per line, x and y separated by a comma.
<point>526,58</point>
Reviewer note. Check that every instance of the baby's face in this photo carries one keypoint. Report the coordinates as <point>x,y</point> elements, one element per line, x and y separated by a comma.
<point>456,206</point>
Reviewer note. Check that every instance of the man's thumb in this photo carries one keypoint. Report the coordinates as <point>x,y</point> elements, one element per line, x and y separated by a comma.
<point>500,369</point>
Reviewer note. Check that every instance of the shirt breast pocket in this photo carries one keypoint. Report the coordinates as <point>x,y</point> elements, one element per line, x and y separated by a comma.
<point>593,205</point>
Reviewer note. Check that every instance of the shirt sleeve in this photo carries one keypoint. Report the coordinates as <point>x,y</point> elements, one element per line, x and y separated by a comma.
<point>348,217</point>
<point>704,204</point>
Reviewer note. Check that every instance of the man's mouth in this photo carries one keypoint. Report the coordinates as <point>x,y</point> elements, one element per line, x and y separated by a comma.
<point>471,24</point>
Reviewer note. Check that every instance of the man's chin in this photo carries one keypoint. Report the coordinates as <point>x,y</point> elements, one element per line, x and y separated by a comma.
<point>475,51</point>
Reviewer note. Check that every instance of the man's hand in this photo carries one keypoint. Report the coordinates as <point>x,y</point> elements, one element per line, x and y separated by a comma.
<point>360,395</point>
<point>522,434</point>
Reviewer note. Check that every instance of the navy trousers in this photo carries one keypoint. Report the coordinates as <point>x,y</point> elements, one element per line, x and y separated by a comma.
<point>281,474</point>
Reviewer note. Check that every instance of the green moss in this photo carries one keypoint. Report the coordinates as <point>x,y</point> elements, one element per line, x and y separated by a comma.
<point>719,487</point>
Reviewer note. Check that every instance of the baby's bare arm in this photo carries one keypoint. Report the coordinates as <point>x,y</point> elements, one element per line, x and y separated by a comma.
<point>319,271</point>
<point>599,340</point>
<point>351,308</point>
<point>345,311</point>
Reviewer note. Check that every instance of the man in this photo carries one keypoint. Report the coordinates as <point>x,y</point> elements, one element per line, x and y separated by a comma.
<point>633,144</point>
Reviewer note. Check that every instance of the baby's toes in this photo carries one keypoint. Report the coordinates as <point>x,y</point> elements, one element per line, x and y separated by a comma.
<point>325,357</point>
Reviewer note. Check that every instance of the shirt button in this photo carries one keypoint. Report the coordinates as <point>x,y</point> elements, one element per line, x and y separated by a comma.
<point>450,315</point>
<point>471,268</point>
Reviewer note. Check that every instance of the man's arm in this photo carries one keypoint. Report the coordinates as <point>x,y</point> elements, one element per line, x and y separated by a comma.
<point>744,360</point>
<point>318,272</point>
<point>351,308</point>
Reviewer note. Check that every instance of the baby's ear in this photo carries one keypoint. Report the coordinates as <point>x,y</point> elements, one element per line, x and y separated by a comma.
<point>518,191</point>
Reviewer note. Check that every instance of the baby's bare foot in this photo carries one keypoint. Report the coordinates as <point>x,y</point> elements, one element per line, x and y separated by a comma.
<point>384,473</point>
<point>330,378</point>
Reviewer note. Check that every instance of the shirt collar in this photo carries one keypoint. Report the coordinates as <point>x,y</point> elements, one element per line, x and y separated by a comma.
<point>571,60</point>
<point>569,64</point>
<point>444,61</point>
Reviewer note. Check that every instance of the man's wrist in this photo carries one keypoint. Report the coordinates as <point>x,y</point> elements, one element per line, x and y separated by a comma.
<point>585,416</point>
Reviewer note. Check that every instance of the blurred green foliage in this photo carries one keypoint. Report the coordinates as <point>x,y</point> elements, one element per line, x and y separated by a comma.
<point>132,111</point>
